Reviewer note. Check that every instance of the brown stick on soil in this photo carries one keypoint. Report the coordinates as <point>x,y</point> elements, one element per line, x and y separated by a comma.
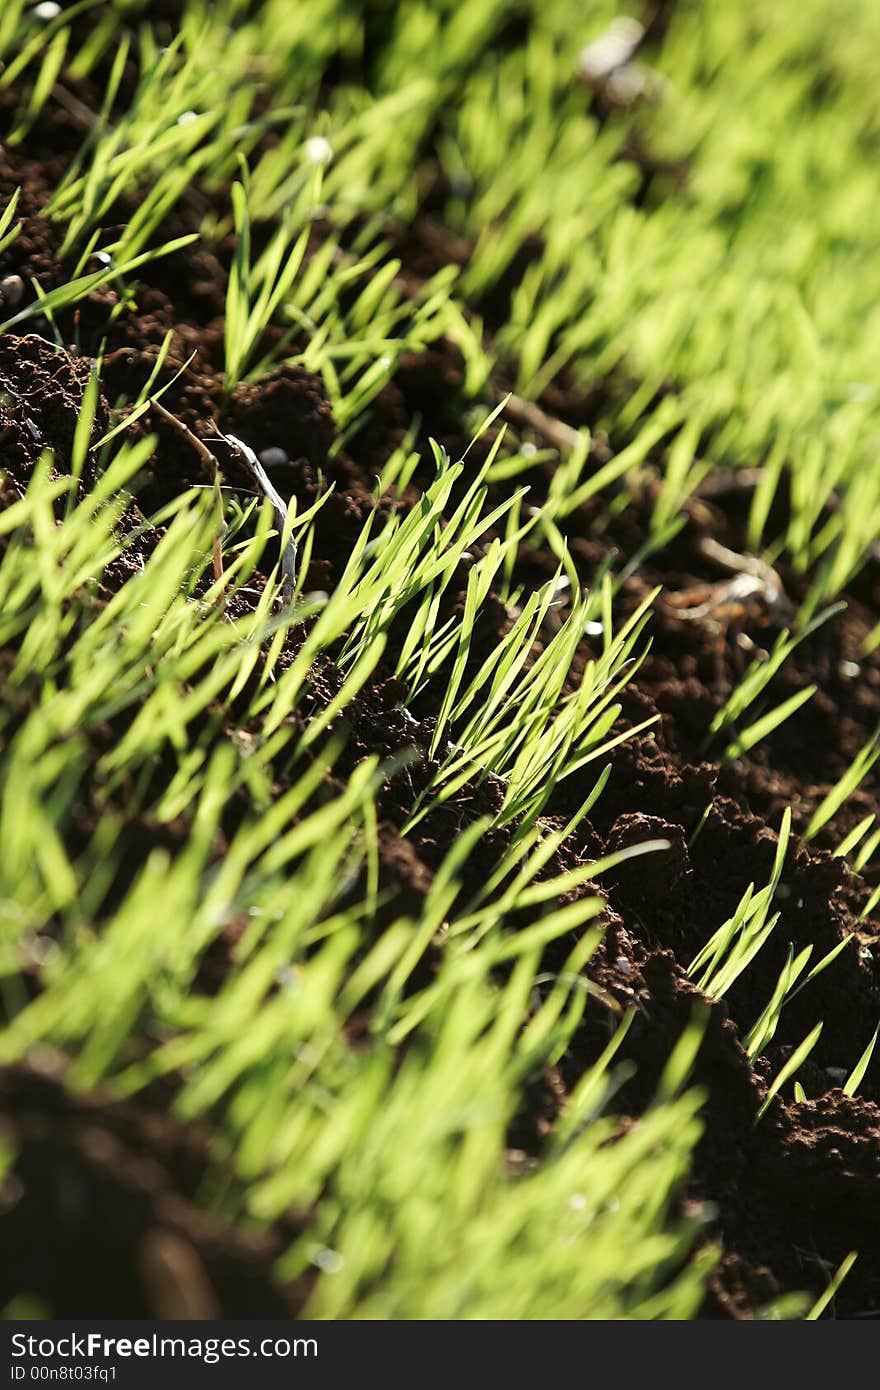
<point>556,432</point>
<point>728,599</point>
<point>753,565</point>
<point>212,469</point>
<point>732,481</point>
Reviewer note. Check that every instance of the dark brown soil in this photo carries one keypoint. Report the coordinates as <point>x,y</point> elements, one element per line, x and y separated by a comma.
<point>101,1213</point>
<point>792,1194</point>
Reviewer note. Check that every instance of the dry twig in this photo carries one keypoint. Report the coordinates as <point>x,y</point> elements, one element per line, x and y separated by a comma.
<point>212,468</point>
<point>556,432</point>
<point>279,507</point>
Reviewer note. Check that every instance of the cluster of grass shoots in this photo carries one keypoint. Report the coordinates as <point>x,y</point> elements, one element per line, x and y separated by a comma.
<point>391,1158</point>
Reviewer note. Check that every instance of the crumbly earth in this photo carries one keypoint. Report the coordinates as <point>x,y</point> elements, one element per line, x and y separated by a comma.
<point>792,1195</point>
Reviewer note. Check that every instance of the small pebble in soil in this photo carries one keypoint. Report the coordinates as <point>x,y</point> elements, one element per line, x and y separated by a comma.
<point>328,1261</point>
<point>859,390</point>
<point>319,150</point>
<point>273,458</point>
<point>46,11</point>
<point>628,83</point>
<point>11,291</point>
<point>611,50</point>
<point>849,670</point>
<point>40,950</point>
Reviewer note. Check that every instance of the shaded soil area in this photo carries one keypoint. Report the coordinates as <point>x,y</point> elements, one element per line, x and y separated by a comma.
<point>791,1194</point>
<point>101,1212</point>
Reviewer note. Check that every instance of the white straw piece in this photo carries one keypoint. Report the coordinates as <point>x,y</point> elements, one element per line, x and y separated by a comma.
<point>279,506</point>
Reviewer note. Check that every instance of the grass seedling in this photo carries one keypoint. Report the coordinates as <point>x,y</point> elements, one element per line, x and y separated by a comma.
<point>755,681</point>
<point>727,954</point>
<point>788,1070</point>
<point>857,1075</point>
<point>786,989</point>
<point>851,779</point>
<point>830,1293</point>
<point>257,288</point>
